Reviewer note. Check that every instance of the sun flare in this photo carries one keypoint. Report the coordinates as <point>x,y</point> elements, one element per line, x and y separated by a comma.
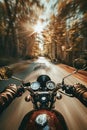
<point>38,27</point>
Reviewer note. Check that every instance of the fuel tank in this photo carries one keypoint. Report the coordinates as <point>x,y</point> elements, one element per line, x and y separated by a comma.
<point>43,120</point>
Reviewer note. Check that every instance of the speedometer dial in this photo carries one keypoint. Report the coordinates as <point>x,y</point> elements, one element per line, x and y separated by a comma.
<point>50,85</point>
<point>35,85</point>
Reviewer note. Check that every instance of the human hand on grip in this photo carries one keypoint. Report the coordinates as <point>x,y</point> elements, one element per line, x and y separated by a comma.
<point>9,94</point>
<point>80,92</point>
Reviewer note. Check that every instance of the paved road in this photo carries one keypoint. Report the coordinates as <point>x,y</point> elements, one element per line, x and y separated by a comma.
<point>73,111</point>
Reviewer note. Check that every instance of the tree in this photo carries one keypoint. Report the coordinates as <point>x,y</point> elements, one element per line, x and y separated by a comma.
<point>16,14</point>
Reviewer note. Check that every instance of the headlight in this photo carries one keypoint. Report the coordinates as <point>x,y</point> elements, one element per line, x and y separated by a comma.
<point>35,86</point>
<point>50,85</point>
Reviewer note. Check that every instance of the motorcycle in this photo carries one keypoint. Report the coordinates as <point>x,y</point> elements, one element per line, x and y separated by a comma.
<point>43,94</point>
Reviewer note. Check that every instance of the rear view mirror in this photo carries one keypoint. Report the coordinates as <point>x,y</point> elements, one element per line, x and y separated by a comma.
<point>5,73</point>
<point>80,63</point>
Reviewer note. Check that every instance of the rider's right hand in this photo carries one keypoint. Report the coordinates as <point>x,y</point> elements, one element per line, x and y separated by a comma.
<point>81,93</point>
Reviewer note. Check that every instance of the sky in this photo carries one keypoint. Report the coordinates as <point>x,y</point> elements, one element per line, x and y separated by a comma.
<point>50,9</point>
<point>47,9</point>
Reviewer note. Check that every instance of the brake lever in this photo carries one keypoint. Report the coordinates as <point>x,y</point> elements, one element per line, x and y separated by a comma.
<point>65,89</point>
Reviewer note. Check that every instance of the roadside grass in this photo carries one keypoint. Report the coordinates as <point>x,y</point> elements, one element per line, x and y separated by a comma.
<point>4,61</point>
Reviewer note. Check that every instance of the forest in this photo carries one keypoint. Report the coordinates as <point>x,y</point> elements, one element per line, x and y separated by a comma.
<point>63,38</point>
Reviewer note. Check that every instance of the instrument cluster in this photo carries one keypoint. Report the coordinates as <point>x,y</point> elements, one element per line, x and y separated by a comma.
<point>50,85</point>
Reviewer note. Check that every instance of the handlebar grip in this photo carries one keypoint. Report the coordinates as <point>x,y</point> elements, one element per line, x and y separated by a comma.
<point>81,93</point>
<point>7,96</point>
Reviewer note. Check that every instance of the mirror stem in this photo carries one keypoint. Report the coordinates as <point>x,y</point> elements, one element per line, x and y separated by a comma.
<point>13,77</point>
<point>68,76</point>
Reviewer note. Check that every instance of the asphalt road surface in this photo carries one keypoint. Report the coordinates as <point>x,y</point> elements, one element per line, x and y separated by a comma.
<point>74,112</point>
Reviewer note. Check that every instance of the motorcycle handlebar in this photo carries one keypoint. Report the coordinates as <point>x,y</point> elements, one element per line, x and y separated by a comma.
<point>12,91</point>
